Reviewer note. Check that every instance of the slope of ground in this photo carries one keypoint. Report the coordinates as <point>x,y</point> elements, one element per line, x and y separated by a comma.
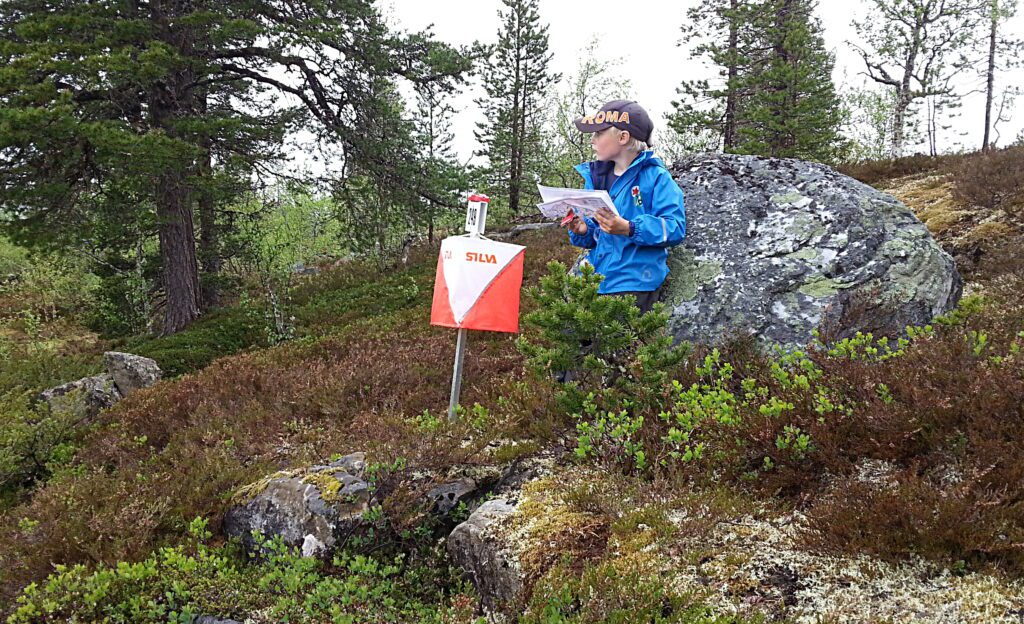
<point>367,372</point>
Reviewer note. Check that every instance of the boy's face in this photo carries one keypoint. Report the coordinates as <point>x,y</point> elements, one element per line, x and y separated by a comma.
<point>609,143</point>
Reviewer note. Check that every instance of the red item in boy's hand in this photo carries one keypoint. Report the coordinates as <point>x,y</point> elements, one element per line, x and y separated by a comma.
<point>569,217</point>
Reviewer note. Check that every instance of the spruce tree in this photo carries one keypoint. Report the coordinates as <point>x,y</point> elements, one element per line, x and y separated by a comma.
<point>790,109</point>
<point>516,79</point>
<point>445,176</point>
<point>776,95</point>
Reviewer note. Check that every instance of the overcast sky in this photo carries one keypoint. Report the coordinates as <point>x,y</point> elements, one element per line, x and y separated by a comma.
<point>646,34</point>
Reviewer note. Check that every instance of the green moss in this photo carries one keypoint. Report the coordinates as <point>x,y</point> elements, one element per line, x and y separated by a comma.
<point>624,589</point>
<point>510,452</point>
<point>548,531</point>
<point>643,528</point>
<point>247,493</point>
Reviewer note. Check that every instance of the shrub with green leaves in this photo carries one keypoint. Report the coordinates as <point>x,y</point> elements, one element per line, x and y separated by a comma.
<point>605,340</point>
<point>33,442</point>
<point>178,583</point>
<point>38,365</point>
<point>45,286</point>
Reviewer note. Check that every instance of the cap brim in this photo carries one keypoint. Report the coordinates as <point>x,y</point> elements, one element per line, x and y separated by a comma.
<point>594,127</point>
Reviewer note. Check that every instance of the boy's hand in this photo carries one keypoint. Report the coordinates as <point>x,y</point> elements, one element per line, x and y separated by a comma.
<point>611,222</point>
<point>576,224</point>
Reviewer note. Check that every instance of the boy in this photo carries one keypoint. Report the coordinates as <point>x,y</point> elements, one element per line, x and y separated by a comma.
<point>630,250</point>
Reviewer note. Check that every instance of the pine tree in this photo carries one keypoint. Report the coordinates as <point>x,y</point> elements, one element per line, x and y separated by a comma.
<point>120,118</point>
<point>516,79</point>
<point>790,109</point>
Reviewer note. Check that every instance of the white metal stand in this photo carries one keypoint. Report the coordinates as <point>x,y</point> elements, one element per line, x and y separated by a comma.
<point>476,221</point>
<point>460,352</point>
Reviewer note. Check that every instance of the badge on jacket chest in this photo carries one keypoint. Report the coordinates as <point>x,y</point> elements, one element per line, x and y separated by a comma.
<point>638,200</point>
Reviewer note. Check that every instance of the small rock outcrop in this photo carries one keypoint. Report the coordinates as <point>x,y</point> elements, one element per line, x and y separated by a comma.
<point>479,548</point>
<point>485,547</point>
<point>310,508</point>
<point>779,247</point>
<point>84,398</point>
<point>318,507</point>
<point>131,372</point>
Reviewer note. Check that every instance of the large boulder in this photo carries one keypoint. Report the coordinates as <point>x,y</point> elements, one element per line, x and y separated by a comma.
<point>780,247</point>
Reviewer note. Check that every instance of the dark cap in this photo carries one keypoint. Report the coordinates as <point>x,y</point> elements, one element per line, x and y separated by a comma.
<point>621,114</point>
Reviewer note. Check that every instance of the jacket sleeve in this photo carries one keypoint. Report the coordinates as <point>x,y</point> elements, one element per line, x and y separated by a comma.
<point>588,240</point>
<point>665,224</point>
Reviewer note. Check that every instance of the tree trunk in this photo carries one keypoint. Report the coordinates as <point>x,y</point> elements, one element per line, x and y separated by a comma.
<point>169,100</point>
<point>993,33</point>
<point>177,253</point>
<point>517,110</point>
<point>898,117</point>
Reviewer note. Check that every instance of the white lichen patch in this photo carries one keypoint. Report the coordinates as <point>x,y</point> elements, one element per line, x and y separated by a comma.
<point>754,565</point>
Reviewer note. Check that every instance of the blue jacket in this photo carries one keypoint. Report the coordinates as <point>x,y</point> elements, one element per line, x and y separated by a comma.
<point>647,195</point>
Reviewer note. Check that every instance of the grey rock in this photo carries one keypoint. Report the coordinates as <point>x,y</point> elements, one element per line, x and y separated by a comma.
<point>354,463</point>
<point>316,508</point>
<point>779,247</point>
<point>309,509</point>
<point>479,548</point>
<point>131,372</point>
<point>209,619</point>
<point>300,268</point>
<point>446,497</point>
<point>82,399</point>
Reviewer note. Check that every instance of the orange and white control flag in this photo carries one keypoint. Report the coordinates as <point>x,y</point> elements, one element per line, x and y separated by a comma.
<point>477,284</point>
